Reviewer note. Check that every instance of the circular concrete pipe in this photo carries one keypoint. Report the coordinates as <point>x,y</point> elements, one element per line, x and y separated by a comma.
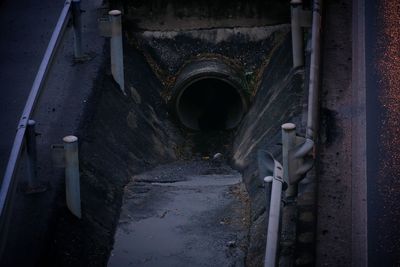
<point>209,95</point>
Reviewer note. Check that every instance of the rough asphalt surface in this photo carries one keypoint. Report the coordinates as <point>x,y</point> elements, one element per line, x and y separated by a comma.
<point>25,27</point>
<point>183,214</point>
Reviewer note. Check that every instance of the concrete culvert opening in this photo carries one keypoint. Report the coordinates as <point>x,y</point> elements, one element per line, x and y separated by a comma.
<point>208,97</point>
<point>210,104</point>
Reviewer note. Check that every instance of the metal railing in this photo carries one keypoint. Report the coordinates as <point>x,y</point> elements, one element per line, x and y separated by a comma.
<point>71,9</point>
<point>296,151</point>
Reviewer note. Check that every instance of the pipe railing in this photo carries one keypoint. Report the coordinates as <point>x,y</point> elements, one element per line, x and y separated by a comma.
<point>315,59</point>
<point>9,182</point>
<point>296,159</point>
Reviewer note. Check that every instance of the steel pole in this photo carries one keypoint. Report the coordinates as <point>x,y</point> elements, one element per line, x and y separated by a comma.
<point>289,210</point>
<point>297,33</point>
<point>77,25</point>
<point>273,223</point>
<point>288,142</point>
<point>117,56</point>
<point>31,153</point>
<point>72,186</point>
<point>313,94</point>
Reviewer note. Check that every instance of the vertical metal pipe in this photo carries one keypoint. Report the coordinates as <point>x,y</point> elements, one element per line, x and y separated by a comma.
<point>72,185</point>
<point>297,34</point>
<point>32,154</point>
<point>273,224</point>
<point>312,117</point>
<point>77,25</point>
<point>288,142</point>
<point>117,57</point>
<point>289,210</point>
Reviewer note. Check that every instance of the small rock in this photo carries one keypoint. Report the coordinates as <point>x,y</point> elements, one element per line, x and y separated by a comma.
<point>217,156</point>
<point>231,244</point>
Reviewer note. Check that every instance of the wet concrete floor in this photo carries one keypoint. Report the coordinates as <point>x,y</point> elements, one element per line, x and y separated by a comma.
<point>183,214</point>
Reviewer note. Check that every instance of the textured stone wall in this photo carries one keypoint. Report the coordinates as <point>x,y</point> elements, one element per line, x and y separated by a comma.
<point>191,14</point>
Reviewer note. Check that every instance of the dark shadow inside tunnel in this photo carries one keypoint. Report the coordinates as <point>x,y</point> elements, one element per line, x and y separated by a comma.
<point>210,104</point>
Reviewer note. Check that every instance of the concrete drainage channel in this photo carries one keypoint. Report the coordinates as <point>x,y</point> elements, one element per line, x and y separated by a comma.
<point>155,191</point>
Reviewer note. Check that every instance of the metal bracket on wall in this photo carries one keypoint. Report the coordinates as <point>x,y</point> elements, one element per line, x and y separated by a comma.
<point>300,159</point>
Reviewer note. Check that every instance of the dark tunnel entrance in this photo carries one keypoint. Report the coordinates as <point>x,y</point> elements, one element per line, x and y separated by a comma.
<point>208,96</point>
<point>210,104</point>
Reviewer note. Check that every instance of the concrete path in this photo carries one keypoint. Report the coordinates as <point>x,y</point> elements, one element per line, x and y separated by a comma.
<point>183,214</point>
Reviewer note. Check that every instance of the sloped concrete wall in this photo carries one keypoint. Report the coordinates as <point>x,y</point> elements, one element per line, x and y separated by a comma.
<point>279,99</point>
<point>120,136</point>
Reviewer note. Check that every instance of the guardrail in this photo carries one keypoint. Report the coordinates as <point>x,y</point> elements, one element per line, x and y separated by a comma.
<point>8,186</point>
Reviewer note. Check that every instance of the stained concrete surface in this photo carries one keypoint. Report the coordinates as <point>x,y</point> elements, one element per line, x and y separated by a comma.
<point>248,48</point>
<point>183,214</point>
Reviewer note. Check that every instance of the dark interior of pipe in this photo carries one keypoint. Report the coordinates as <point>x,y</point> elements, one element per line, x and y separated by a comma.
<point>210,104</point>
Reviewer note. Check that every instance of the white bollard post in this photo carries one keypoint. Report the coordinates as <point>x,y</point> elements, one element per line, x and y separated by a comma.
<point>297,33</point>
<point>72,180</point>
<point>117,56</point>
<point>274,215</point>
<point>288,142</point>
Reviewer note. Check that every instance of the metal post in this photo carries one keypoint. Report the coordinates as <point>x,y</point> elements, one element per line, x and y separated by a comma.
<point>117,57</point>
<point>273,222</point>
<point>289,210</point>
<point>297,33</point>
<point>33,185</point>
<point>313,94</point>
<point>288,142</point>
<point>72,175</point>
<point>32,154</point>
<point>77,25</point>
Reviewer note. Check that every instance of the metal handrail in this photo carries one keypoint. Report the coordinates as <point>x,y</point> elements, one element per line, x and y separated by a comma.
<point>315,59</point>
<point>9,180</point>
<point>299,152</point>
